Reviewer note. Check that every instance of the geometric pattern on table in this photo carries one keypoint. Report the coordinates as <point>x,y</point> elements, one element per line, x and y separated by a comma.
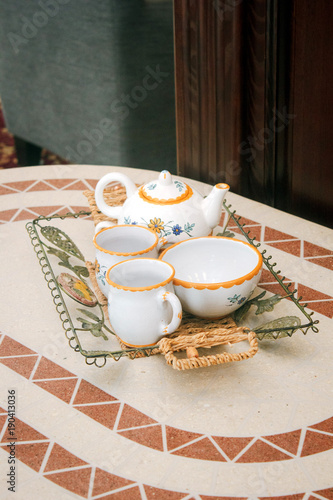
<point>315,300</point>
<point>64,468</point>
<point>139,427</point>
<point>287,243</point>
<point>70,472</point>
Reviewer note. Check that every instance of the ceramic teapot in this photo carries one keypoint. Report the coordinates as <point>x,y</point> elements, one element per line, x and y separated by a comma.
<point>166,205</point>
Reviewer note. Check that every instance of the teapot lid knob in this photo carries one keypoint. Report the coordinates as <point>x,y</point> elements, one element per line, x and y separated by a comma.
<point>165,178</point>
<point>165,190</point>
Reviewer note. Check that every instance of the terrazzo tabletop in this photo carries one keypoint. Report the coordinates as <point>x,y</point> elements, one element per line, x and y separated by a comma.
<point>137,428</point>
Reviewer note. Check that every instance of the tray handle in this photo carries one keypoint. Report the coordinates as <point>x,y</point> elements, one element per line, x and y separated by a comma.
<point>168,347</point>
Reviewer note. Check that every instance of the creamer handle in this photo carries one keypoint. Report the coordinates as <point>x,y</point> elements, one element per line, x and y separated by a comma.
<point>176,313</point>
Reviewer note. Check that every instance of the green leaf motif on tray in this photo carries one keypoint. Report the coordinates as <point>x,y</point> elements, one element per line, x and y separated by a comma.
<point>61,240</point>
<point>58,253</point>
<point>90,315</point>
<point>226,234</point>
<point>278,328</point>
<point>267,305</point>
<point>240,313</point>
<point>80,271</point>
<point>95,326</point>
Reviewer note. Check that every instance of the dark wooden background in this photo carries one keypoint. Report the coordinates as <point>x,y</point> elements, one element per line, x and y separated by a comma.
<point>254,83</point>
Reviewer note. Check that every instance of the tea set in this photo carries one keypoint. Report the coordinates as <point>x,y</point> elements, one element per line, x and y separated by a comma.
<point>161,258</point>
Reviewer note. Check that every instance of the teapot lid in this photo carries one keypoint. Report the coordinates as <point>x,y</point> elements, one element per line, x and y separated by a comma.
<point>165,190</point>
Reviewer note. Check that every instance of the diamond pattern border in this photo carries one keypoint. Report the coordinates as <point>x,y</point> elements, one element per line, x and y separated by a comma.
<point>140,428</point>
<point>70,472</point>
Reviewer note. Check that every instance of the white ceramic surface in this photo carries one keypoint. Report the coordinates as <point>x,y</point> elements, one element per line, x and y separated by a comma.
<point>214,276</point>
<point>141,304</point>
<point>117,243</point>
<point>169,206</point>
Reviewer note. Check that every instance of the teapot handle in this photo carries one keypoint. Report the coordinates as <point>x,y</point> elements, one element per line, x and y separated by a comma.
<point>113,212</point>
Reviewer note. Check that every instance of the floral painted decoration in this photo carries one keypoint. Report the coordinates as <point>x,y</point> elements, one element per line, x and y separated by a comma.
<point>127,220</point>
<point>100,272</point>
<point>236,299</point>
<point>164,228</point>
<point>177,229</point>
<point>179,185</point>
<point>156,225</point>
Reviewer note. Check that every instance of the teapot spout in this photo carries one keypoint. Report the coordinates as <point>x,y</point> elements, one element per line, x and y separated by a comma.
<point>212,204</point>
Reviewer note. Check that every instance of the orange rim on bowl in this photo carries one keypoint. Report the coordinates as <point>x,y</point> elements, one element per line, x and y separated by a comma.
<point>222,284</point>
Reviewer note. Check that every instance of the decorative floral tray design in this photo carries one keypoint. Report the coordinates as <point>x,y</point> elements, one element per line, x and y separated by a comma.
<point>83,311</point>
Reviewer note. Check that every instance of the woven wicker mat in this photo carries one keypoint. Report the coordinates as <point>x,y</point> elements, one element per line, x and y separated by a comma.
<point>193,332</point>
<point>114,196</point>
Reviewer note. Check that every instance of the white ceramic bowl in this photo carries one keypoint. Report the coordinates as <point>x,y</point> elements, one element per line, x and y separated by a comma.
<point>214,275</point>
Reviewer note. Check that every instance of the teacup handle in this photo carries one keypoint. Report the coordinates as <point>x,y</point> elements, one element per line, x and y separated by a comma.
<point>161,243</point>
<point>113,212</point>
<point>176,313</point>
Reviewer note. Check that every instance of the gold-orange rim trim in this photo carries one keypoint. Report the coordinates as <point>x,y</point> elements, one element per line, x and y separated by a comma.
<point>125,254</point>
<point>156,201</point>
<point>222,185</point>
<point>139,288</point>
<point>136,346</point>
<point>223,284</point>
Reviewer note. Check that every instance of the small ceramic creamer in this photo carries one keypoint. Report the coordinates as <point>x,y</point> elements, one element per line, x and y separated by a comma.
<point>168,206</point>
<point>142,305</point>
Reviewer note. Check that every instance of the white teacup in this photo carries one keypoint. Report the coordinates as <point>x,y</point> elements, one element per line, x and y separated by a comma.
<point>117,243</point>
<point>141,304</point>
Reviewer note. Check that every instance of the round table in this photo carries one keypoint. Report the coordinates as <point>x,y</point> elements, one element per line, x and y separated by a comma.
<point>137,429</point>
